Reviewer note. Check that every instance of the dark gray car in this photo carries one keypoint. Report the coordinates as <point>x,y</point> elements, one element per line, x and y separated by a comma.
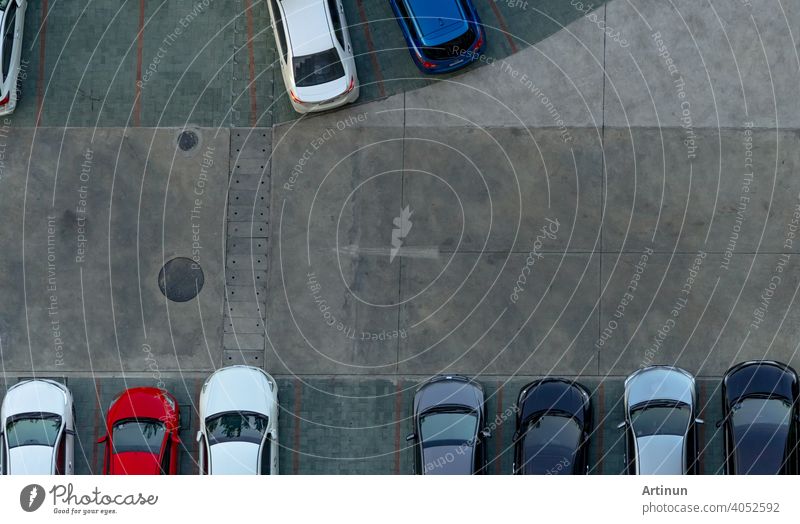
<point>449,432</point>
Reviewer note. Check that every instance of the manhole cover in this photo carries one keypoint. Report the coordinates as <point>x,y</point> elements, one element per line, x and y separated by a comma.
<point>188,140</point>
<point>181,279</point>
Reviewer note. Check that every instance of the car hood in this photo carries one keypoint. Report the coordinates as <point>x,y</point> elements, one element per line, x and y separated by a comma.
<point>556,395</point>
<point>33,396</point>
<point>234,458</point>
<point>142,403</point>
<point>447,460</point>
<point>135,463</point>
<point>660,455</point>
<point>659,384</point>
<point>324,92</point>
<point>30,460</point>
<point>237,388</point>
<point>448,392</point>
<point>760,378</point>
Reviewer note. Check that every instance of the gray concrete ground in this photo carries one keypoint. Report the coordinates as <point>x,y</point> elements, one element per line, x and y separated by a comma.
<point>620,194</point>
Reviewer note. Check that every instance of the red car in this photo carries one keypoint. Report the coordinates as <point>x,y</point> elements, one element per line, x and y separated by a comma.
<point>142,433</point>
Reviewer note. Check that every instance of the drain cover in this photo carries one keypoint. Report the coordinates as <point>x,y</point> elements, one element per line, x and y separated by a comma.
<point>188,140</point>
<point>181,279</point>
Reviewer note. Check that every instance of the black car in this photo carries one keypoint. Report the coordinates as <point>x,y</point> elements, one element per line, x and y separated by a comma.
<point>759,405</point>
<point>554,420</point>
<point>449,433</point>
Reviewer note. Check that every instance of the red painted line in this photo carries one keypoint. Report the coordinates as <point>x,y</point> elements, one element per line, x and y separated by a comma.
<point>362,13</point>
<point>701,436</point>
<point>42,47</point>
<point>503,26</point>
<point>298,403</point>
<point>498,437</point>
<point>601,417</point>
<point>97,416</point>
<point>137,103</point>
<point>398,417</point>
<point>252,63</point>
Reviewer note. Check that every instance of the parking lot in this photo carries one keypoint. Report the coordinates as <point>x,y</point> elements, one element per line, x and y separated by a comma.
<point>553,210</point>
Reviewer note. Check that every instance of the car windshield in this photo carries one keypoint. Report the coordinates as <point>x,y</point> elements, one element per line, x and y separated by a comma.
<point>144,436</point>
<point>4,4</point>
<point>319,68</point>
<point>549,445</point>
<point>33,429</point>
<point>240,427</point>
<point>445,429</point>
<point>660,420</point>
<point>761,430</point>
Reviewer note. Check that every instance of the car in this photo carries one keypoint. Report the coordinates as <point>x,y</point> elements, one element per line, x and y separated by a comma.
<point>553,423</point>
<point>661,421</point>
<point>449,427</point>
<point>442,35</point>
<point>238,433</point>
<point>12,16</point>
<point>38,432</point>
<point>315,53</point>
<point>760,418</point>
<point>142,426</point>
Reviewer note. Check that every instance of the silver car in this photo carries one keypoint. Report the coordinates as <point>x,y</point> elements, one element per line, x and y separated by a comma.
<point>660,422</point>
<point>12,22</point>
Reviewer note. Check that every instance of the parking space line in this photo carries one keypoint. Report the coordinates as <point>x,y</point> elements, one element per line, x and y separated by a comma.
<point>40,79</point>
<point>503,26</point>
<point>599,426</point>
<point>398,417</point>
<point>701,438</point>
<point>498,438</point>
<point>251,63</point>
<point>298,403</point>
<point>98,394</point>
<point>137,101</point>
<point>362,13</point>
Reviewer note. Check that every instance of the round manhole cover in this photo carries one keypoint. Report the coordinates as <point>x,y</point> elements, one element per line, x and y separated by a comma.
<point>181,279</point>
<point>188,140</point>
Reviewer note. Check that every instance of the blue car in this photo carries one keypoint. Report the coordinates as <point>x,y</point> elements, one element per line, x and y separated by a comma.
<point>442,35</point>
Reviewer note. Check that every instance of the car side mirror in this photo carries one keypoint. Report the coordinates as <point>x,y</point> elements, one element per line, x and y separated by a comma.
<point>411,436</point>
<point>621,425</point>
<point>103,439</point>
<point>199,436</point>
<point>699,421</point>
<point>485,433</point>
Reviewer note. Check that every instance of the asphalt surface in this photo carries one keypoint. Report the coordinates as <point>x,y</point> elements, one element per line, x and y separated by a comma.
<point>566,213</point>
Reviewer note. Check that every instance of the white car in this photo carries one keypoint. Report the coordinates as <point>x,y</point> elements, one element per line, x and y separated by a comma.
<point>239,423</point>
<point>12,13</point>
<point>38,432</point>
<point>315,52</point>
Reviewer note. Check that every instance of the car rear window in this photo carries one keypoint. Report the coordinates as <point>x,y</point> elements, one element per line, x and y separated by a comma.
<point>451,49</point>
<point>319,68</point>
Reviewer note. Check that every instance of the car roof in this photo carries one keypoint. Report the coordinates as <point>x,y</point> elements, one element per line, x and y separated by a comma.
<point>307,25</point>
<point>660,455</point>
<point>30,460</point>
<point>234,458</point>
<point>437,22</point>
